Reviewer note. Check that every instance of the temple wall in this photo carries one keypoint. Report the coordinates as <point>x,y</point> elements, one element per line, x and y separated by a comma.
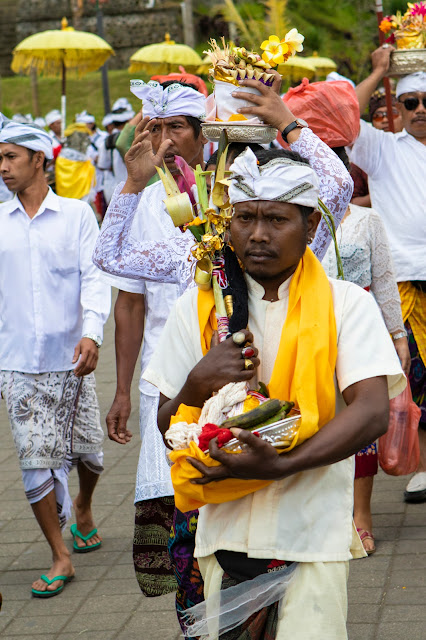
<point>128,24</point>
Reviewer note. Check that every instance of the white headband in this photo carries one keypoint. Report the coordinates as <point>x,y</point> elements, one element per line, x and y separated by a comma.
<point>108,119</point>
<point>84,117</point>
<point>27,135</point>
<point>53,116</point>
<point>280,179</point>
<point>174,100</point>
<point>414,82</point>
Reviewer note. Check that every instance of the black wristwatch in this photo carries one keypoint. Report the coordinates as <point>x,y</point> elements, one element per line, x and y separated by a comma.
<point>296,124</point>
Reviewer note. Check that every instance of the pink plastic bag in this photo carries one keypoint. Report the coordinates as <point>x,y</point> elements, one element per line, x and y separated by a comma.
<point>399,451</point>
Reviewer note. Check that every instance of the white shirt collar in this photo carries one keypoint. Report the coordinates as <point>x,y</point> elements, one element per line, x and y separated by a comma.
<point>258,291</point>
<point>50,202</point>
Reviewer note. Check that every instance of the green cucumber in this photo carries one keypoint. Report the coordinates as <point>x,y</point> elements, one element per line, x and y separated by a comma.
<point>250,419</point>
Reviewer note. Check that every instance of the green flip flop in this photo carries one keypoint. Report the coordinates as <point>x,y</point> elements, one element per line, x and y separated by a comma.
<point>55,592</point>
<point>89,547</point>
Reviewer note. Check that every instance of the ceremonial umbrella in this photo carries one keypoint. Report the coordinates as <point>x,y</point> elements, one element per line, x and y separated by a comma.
<point>164,57</point>
<point>322,65</point>
<point>57,51</point>
<point>296,68</point>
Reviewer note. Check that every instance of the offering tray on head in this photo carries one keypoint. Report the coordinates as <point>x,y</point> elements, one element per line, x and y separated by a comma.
<point>279,434</point>
<point>238,132</point>
<point>406,61</point>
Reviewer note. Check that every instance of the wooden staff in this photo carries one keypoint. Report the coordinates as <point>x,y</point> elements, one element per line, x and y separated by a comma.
<point>386,82</point>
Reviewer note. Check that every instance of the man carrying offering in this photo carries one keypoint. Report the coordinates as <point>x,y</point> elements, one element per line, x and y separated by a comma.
<point>310,340</point>
<point>395,165</point>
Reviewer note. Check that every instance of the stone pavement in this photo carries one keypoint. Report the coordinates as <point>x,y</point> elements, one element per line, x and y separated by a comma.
<point>387,591</point>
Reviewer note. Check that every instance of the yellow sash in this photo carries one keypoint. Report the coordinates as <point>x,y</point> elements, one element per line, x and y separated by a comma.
<point>74,179</point>
<point>303,372</point>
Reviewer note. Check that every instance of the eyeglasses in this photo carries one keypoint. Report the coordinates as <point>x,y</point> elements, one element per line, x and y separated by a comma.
<point>412,103</point>
<point>381,115</point>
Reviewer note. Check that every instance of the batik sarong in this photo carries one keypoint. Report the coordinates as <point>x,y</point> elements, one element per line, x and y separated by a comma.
<point>52,416</point>
<point>153,566</point>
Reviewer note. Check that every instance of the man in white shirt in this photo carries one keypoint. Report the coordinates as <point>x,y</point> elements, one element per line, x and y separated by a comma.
<point>53,306</point>
<point>141,311</point>
<point>305,514</point>
<point>110,161</point>
<point>395,165</point>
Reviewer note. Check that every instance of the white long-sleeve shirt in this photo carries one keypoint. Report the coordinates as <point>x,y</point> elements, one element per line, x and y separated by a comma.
<point>122,252</point>
<point>51,294</point>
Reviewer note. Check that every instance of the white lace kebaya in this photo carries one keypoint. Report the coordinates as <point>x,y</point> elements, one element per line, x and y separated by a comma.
<point>168,259</point>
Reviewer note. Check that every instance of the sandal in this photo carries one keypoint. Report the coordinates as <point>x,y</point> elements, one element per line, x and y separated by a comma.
<point>366,535</point>
<point>89,547</point>
<point>55,592</point>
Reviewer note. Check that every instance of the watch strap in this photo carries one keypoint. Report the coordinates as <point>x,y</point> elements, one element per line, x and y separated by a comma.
<point>288,129</point>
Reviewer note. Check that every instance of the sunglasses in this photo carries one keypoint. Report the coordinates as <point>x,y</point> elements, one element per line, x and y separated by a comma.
<point>412,103</point>
<point>381,115</point>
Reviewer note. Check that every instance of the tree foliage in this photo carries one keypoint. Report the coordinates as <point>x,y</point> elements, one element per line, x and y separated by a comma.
<point>345,31</point>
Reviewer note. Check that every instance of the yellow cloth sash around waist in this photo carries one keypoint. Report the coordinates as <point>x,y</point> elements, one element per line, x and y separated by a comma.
<point>74,179</point>
<point>413,307</point>
<point>303,373</point>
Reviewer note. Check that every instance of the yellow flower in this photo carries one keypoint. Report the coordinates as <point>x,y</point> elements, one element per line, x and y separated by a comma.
<point>293,40</point>
<point>195,222</point>
<point>274,50</point>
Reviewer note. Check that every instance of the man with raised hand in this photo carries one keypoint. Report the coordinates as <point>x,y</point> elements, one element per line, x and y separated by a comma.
<point>53,306</point>
<point>395,164</point>
<point>142,308</point>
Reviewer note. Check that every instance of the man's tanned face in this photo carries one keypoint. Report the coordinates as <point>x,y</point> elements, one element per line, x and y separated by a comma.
<point>18,166</point>
<point>270,238</point>
<point>184,141</point>
<point>414,121</point>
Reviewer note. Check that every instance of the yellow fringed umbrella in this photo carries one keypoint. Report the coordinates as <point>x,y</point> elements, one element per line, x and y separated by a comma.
<point>296,68</point>
<point>58,51</point>
<point>165,57</point>
<point>322,65</point>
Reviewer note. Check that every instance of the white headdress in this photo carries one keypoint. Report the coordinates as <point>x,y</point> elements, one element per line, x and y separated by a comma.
<point>174,100</point>
<point>84,117</point>
<point>26,135</point>
<point>108,119</point>
<point>280,179</point>
<point>122,110</point>
<point>53,116</point>
<point>414,82</point>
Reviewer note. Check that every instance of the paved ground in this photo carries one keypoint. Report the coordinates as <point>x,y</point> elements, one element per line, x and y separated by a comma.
<point>387,591</point>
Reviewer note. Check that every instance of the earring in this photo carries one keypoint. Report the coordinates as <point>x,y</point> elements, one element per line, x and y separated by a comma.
<point>310,239</point>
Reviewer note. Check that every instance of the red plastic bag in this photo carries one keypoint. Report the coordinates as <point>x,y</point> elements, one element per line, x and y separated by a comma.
<point>330,108</point>
<point>399,450</point>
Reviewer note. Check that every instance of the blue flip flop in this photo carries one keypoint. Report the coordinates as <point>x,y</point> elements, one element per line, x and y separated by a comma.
<point>89,547</point>
<point>49,594</point>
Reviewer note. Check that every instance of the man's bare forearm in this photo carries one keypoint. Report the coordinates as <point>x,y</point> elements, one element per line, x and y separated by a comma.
<point>129,315</point>
<point>358,425</point>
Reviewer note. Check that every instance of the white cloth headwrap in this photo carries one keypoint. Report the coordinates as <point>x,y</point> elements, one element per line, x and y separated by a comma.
<point>280,179</point>
<point>108,119</point>
<point>84,117</point>
<point>26,135</point>
<point>174,100</point>
<point>414,82</point>
<point>122,110</point>
<point>52,116</point>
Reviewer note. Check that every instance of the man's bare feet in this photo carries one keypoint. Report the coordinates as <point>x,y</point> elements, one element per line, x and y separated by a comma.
<point>85,524</point>
<point>61,567</point>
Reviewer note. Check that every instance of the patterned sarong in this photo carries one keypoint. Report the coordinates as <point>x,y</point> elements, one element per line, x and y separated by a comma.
<point>181,548</point>
<point>153,567</point>
<point>52,415</point>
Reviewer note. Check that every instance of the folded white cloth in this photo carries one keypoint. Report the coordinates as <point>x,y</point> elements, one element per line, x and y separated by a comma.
<point>281,179</point>
<point>174,100</point>
<point>414,82</point>
<point>26,135</point>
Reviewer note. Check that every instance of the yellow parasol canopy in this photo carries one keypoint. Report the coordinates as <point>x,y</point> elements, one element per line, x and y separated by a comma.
<point>164,57</point>
<point>296,68</point>
<point>55,52</point>
<point>322,65</point>
<point>49,51</point>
